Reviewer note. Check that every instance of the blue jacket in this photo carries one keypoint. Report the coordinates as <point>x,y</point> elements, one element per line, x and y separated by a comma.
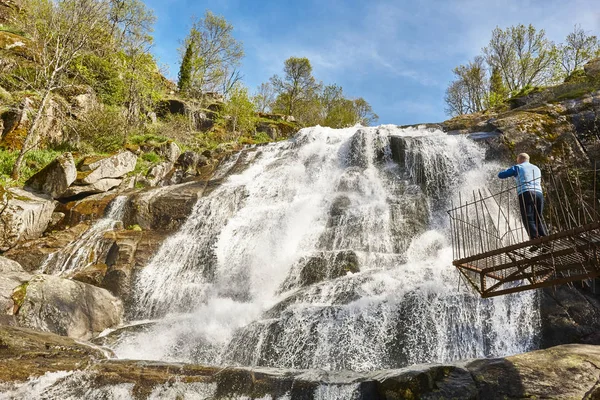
<point>527,175</point>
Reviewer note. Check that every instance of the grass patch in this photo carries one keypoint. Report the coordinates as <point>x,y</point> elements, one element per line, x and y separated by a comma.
<point>151,157</point>
<point>34,161</point>
<point>151,139</point>
<point>11,29</point>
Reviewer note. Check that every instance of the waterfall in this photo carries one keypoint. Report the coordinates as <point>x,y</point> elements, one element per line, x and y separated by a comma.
<point>331,251</point>
<point>85,250</point>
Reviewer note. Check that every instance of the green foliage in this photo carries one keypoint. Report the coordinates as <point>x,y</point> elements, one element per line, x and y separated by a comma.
<point>135,228</point>
<point>11,29</point>
<point>104,75</point>
<point>578,49</point>
<point>185,71</point>
<point>296,87</point>
<point>151,139</point>
<point>240,110</point>
<point>102,130</point>
<point>576,76</point>
<point>35,160</point>
<point>151,157</point>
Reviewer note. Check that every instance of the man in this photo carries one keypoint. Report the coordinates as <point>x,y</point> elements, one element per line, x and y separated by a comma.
<point>531,198</point>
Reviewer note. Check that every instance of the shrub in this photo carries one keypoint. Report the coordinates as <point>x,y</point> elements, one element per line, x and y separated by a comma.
<point>102,130</point>
<point>151,157</point>
<point>35,160</point>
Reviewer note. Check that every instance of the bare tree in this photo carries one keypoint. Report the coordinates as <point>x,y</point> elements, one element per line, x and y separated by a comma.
<point>578,49</point>
<point>467,94</point>
<point>61,30</point>
<point>455,98</point>
<point>264,97</point>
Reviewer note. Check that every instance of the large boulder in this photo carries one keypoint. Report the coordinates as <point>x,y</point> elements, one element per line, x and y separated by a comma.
<point>23,216</point>
<point>100,186</point>
<point>115,166</point>
<point>56,177</point>
<point>12,275</point>
<point>66,307</point>
<point>170,151</point>
<point>163,208</point>
<point>90,208</point>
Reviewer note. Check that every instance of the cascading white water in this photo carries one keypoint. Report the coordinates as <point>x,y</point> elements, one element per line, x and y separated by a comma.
<point>326,252</point>
<point>85,250</point>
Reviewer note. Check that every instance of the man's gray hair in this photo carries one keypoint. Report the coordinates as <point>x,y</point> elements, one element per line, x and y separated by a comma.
<point>523,156</point>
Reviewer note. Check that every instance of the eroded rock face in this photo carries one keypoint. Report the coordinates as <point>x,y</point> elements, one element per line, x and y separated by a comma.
<point>12,275</point>
<point>115,166</point>
<point>23,216</point>
<point>164,208</point>
<point>56,177</point>
<point>67,307</point>
<point>100,186</point>
<point>563,372</point>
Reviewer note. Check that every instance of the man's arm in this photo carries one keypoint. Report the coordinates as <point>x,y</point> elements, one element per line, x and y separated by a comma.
<point>512,171</point>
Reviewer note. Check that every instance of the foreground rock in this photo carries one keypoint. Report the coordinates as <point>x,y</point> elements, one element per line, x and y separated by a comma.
<point>66,307</point>
<point>561,372</point>
<point>23,216</point>
<point>12,275</point>
<point>56,177</point>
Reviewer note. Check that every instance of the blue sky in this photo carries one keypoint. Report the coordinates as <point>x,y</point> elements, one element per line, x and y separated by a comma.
<point>398,55</point>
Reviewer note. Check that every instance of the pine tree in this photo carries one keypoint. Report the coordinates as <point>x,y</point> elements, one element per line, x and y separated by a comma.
<point>185,71</point>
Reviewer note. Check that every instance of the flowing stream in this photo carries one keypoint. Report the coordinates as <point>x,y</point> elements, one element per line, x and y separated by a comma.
<point>328,251</point>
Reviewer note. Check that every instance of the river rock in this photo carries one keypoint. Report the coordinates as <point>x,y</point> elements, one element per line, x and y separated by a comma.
<point>67,307</point>
<point>158,173</point>
<point>56,177</point>
<point>23,216</point>
<point>163,208</point>
<point>32,253</point>
<point>11,276</point>
<point>94,169</point>
<point>100,186</point>
<point>563,372</point>
<point>88,209</point>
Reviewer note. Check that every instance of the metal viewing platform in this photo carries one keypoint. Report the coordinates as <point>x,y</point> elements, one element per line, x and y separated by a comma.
<point>492,249</point>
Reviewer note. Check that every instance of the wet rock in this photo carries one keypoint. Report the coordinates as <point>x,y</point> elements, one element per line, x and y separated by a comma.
<point>92,274</point>
<point>365,149</point>
<point>130,251</point>
<point>116,166</point>
<point>12,275</point>
<point>67,307</point>
<point>23,216</point>
<point>32,254</point>
<point>56,177</point>
<point>569,315</point>
<point>163,208</point>
<point>320,267</point>
<point>26,353</point>
<point>99,186</point>
<point>90,208</point>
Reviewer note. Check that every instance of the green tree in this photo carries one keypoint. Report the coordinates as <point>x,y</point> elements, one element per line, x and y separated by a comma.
<point>296,87</point>
<point>185,71</point>
<point>498,92</point>
<point>524,56</point>
<point>215,55</point>
<point>577,50</point>
<point>61,30</point>
<point>241,110</point>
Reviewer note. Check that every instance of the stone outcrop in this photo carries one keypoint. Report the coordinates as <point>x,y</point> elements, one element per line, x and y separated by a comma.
<point>592,68</point>
<point>164,208</point>
<point>32,254</point>
<point>66,307</point>
<point>23,216</point>
<point>88,209</point>
<point>12,275</point>
<point>94,169</point>
<point>56,177</point>
<point>563,372</point>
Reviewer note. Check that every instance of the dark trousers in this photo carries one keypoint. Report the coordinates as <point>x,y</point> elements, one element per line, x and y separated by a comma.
<point>531,205</point>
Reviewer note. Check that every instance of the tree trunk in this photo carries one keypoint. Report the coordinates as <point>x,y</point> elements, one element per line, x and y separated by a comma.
<point>27,143</point>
